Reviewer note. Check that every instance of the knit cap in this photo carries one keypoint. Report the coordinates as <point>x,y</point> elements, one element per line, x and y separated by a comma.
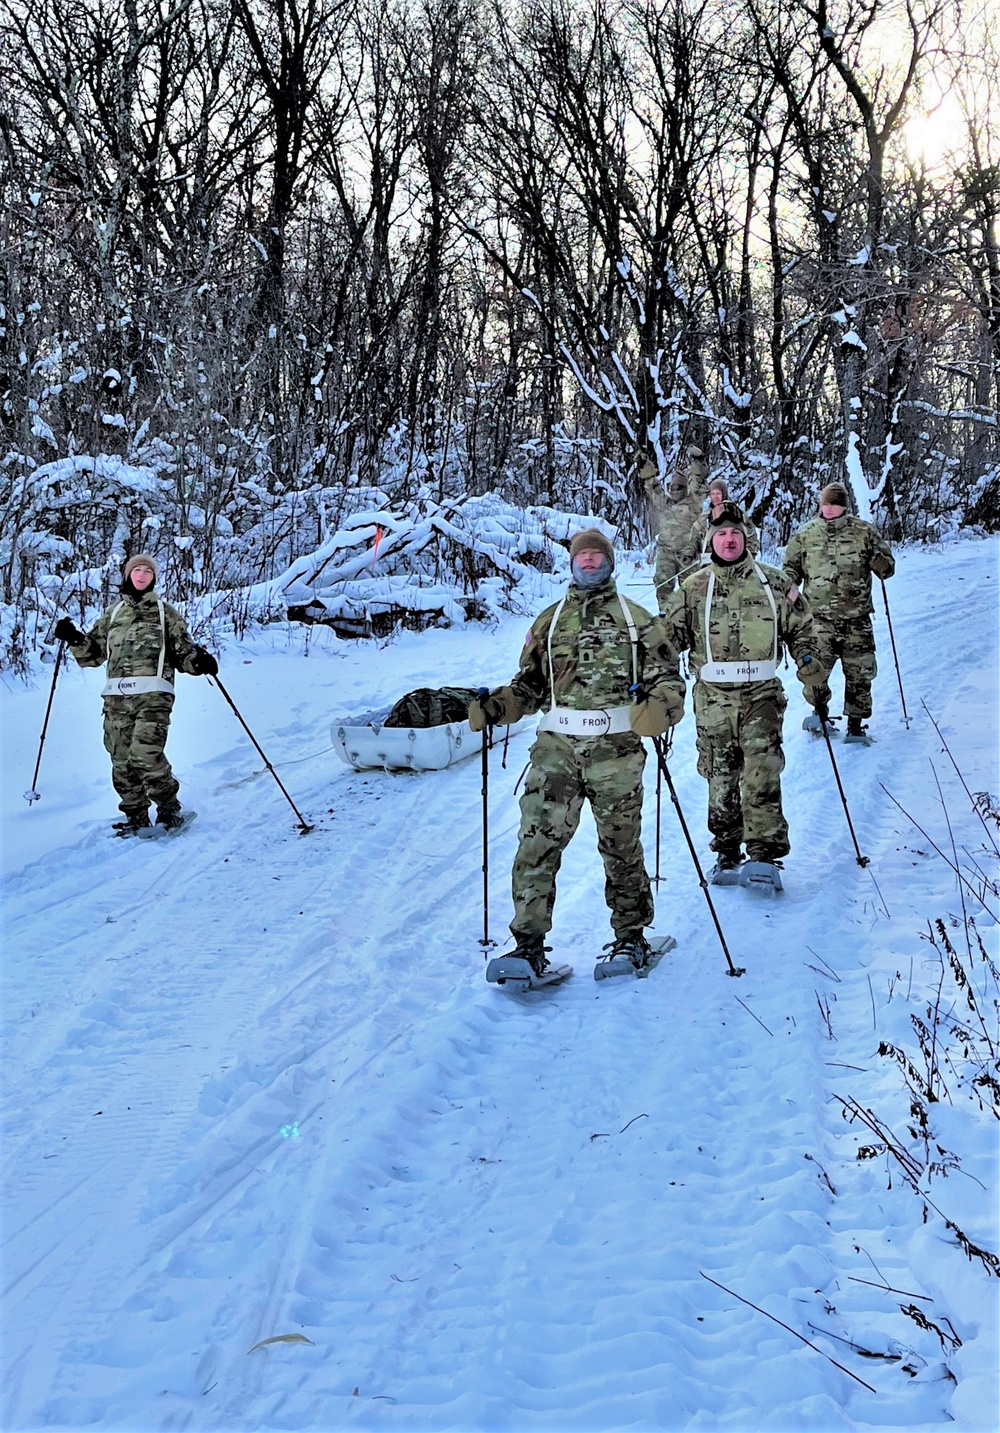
<point>591,540</point>
<point>722,486</point>
<point>141,559</point>
<point>834,495</point>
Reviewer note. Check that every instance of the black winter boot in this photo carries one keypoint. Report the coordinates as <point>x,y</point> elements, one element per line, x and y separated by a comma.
<point>168,815</point>
<point>134,822</point>
<point>531,947</point>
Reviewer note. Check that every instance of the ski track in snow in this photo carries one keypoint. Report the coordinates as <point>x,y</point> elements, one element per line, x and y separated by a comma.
<point>256,1085</point>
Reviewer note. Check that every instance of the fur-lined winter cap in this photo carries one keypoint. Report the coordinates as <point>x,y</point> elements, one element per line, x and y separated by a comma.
<point>730,515</point>
<point>834,495</point>
<point>592,540</point>
<point>721,485</point>
<point>141,559</point>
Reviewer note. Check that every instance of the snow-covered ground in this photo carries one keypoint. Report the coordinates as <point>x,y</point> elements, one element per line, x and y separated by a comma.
<point>255,1084</point>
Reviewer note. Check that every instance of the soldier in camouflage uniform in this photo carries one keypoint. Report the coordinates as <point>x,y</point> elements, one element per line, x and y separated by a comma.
<point>581,658</point>
<point>718,493</point>
<point>832,558</point>
<point>676,507</point>
<point>143,640</point>
<point>734,617</point>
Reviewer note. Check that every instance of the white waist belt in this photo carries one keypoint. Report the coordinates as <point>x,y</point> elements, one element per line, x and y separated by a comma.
<point>567,722</point>
<point>738,671</point>
<point>136,686</point>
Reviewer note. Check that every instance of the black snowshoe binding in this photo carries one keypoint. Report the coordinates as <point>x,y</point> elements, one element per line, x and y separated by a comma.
<point>727,869</point>
<point>526,967</point>
<point>632,955</point>
<point>857,733</point>
<point>170,818</point>
<point>134,822</point>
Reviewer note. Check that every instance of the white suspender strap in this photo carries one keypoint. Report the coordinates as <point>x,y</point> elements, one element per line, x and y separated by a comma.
<point>633,637</point>
<point>111,622</point>
<point>163,634</point>
<point>774,611</point>
<point>548,644</point>
<point>708,613</point>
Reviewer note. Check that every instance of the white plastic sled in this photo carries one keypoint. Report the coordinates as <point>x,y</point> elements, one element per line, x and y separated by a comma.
<point>369,743</point>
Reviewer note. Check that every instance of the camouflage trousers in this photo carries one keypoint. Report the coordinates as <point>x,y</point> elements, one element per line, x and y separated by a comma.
<point>740,756</point>
<point>566,771</point>
<point>852,640</point>
<point>135,733</point>
<point>670,560</point>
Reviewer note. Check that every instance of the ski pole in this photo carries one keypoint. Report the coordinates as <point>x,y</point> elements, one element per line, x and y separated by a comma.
<point>895,657</point>
<point>659,746</point>
<point>486,942</point>
<point>304,827</point>
<point>861,860</point>
<point>659,807</point>
<point>34,794</point>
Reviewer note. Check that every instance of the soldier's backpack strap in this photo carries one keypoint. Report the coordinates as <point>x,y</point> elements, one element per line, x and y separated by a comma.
<point>548,648</point>
<point>774,610</point>
<point>633,637</point>
<point>111,623</point>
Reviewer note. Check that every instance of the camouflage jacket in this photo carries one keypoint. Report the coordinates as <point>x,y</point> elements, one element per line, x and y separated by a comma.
<point>127,636</point>
<point>833,562</point>
<point>741,624</point>
<point>698,537</point>
<point>591,654</point>
<point>675,518</point>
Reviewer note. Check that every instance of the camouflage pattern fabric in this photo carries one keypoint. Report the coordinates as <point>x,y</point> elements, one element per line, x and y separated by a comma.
<point>674,552</point>
<point>127,636</point>
<point>591,654</point>
<point>566,771</point>
<point>592,669</point>
<point>135,734</point>
<point>431,706</point>
<point>833,561</point>
<point>853,642</point>
<point>741,624</point>
<point>740,756</point>
<point>674,518</point>
<point>739,724</point>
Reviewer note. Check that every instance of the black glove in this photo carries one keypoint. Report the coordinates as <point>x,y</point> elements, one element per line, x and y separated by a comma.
<point>203,664</point>
<point>66,630</point>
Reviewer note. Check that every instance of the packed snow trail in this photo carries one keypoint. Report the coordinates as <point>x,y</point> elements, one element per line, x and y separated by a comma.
<point>256,1085</point>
